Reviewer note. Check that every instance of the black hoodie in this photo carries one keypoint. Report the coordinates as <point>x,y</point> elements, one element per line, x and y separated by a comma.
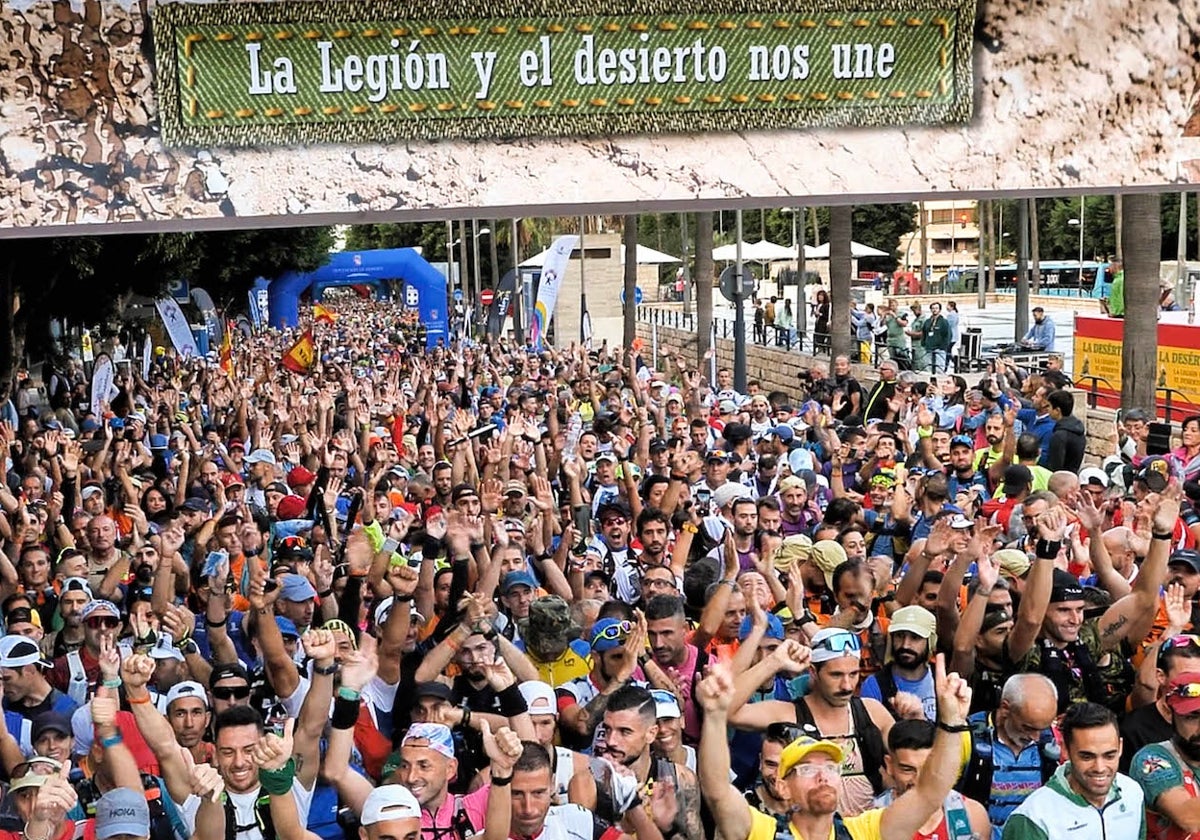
<point>1067,444</point>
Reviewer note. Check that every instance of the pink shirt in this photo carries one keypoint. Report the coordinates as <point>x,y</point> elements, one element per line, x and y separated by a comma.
<point>439,826</point>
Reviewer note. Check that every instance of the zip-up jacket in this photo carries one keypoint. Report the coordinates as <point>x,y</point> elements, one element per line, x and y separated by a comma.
<point>1056,811</point>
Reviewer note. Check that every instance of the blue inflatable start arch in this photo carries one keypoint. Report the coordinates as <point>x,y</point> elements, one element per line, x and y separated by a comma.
<point>424,286</point>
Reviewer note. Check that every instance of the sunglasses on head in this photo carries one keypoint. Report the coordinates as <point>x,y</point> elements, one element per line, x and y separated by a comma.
<point>1183,640</point>
<point>839,643</point>
<point>231,692</point>
<point>614,632</point>
<point>105,621</point>
<point>1190,690</point>
<point>788,732</point>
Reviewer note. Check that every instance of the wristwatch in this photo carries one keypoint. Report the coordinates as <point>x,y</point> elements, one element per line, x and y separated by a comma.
<point>189,647</point>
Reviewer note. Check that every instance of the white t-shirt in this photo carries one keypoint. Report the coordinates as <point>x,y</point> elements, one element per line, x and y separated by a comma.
<point>244,810</point>
<point>567,822</point>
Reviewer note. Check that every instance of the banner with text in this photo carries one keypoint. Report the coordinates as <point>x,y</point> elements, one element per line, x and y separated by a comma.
<point>1098,342</point>
<point>244,73</point>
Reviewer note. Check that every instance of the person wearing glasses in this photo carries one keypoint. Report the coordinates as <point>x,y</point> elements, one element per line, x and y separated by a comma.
<point>810,773</point>
<point>78,672</point>
<point>831,711</point>
<point>962,473</point>
<point>1178,653</point>
<point>617,646</point>
<point>76,594</point>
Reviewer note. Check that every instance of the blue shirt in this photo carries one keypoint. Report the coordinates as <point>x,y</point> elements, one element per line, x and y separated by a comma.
<point>1041,336</point>
<point>922,688</point>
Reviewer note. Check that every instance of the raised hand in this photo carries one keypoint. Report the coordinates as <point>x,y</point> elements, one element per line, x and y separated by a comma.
<point>273,751</point>
<point>953,694</point>
<point>1178,607</point>
<point>137,670</point>
<point>908,706</point>
<point>403,579</point>
<point>1090,516</point>
<point>791,657</point>
<point>715,691</point>
<point>205,779</point>
<point>1166,510</point>
<point>321,646</point>
<point>55,797</point>
<point>104,710</point>
<point>359,667</point>
<point>503,748</point>
<point>1052,525</point>
<point>110,658</point>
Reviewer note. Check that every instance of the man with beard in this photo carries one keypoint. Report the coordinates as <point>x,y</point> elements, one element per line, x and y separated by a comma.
<point>961,472</point>
<point>611,543</point>
<point>189,716</point>
<point>809,771</point>
<point>552,641</point>
<point>532,811</point>
<point>653,532</point>
<point>998,432</point>
<point>910,744</point>
<point>906,673</point>
<point>616,646</point>
<point>1167,770</point>
<point>76,594</point>
<point>631,726</point>
<point>799,514</point>
<point>1081,791</point>
<point>77,673</point>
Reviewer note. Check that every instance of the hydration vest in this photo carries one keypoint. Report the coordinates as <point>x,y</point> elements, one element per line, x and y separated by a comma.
<point>866,734</point>
<point>955,823</point>
<point>77,688</point>
<point>162,824</point>
<point>262,819</point>
<point>460,825</point>
<point>1068,668</point>
<point>979,778</point>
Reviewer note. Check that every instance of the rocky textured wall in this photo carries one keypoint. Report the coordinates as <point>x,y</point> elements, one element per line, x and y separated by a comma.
<point>1080,93</point>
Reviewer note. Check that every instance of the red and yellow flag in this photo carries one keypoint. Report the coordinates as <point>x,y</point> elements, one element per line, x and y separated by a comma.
<point>227,351</point>
<point>323,315</point>
<point>300,357</point>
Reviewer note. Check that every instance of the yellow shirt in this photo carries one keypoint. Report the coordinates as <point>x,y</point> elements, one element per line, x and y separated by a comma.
<point>564,669</point>
<point>866,826</point>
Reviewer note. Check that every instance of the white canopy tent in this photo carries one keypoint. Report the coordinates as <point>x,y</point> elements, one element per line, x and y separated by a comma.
<point>645,256</point>
<point>761,251</point>
<point>857,251</point>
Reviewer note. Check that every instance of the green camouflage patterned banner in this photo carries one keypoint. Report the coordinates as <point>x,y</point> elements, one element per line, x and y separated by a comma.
<point>249,73</point>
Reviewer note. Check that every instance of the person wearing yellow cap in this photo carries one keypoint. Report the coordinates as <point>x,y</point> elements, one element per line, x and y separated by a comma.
<point>810,770</point>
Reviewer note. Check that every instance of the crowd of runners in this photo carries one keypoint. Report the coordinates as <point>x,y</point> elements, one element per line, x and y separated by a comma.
<point>484,590</point>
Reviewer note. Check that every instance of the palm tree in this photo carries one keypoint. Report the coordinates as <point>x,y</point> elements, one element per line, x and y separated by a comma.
<point>629,243</point>
<point>702,282</point>
<point>840,230</point>
<point>1141,235</point>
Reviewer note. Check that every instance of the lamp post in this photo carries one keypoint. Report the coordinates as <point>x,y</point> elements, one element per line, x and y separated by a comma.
<point>1079,222</point>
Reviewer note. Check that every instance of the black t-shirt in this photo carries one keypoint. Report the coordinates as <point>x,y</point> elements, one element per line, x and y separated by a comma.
<point>1144,725</point>
<point>849,386</point>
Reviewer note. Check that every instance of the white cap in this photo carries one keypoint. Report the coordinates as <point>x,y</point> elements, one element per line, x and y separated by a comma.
<point>665,704</point>
<point>18,651</point>
<point>389,802</point>
<point>187,688</point>
<point>729,492</point>
<point>1093,475</point>
<point>539,697</point>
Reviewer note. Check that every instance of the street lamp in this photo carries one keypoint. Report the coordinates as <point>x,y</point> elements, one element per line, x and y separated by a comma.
<point>1079,222</point>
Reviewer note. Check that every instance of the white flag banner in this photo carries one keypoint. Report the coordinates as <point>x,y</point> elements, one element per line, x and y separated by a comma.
<point>553,270</point>
<point>103,389</point>
<point>177,327</point>
<point>147,350</point>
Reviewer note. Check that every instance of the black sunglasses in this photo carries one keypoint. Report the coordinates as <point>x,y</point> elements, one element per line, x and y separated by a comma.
<point>231,692</point>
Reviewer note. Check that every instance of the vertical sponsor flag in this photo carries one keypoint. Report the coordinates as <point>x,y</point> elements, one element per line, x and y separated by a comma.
<point>102,385</point>
<point>552,273</point>
<point>300,357</point>
<point>177,327</point>
<point>227,350</point>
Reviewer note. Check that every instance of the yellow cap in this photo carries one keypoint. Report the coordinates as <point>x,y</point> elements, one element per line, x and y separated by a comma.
<point>800,749</point>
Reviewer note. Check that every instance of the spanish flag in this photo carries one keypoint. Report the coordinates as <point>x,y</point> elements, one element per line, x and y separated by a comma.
<point>300,357</point>
<point>322,315</point>
<point>227,351</point>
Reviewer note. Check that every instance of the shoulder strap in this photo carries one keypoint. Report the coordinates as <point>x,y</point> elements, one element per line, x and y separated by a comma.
<point>886,681</point>
<point>870,742</point>
<point>958,821</point>
<point>77,688</point>
<point>840,832</point>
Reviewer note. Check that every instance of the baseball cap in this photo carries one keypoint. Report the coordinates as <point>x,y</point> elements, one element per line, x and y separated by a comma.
<point>1183,693</point>
<point>433,688</point>
<point>1066,587</point>
<point>834,643</point>
<point>518,578</point>
<point>194,504</point>
<point>389,802</point>
<point>774,629</point>
<point>609,633</point>
<point>29,780</point>
<point>717,455</point>
<point>727,407</point>
<point>99,607</point>
<point>1014,563</point>
<point>261,456</point>
<point>1094,475</point>
<point>962,440</point>
<point>515,488</point>
<point>287,627</point>
<point>913,619</point>
<point>122,812</point>
<point>232,480</point>
<point>290,507</point>
<point>228,671</point>
<point>666,705</point>
<point>801,748</point>
<point>783,432</point>
<point>90,490</point>
<point>296,588</point>
<point>301,475</point>
<point>606,456</point>
<point>437,737</point>
<point>164,648</point>
<point>1186,557</point>
<point>827,555</point>
<point>539,697</point>
<point>50,722</point>
<point>659,445</point>
<point>185,689</point>
<point>277,487</point>
<point>1017,477</point>
<point>77,584</point>
<point>730,492</point>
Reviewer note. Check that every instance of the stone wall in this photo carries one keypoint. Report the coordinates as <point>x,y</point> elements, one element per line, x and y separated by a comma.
<point>778,370</point>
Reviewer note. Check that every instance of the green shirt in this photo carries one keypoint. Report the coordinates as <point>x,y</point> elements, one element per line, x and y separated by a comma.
<point>1116,295</point>
<point>1157,768</point>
